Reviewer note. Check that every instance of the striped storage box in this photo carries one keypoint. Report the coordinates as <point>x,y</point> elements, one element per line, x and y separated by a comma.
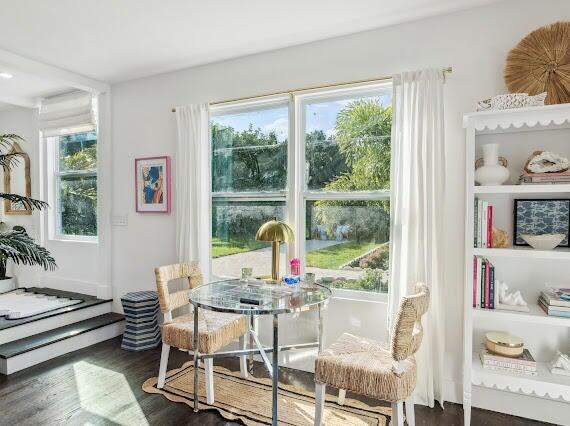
<point>141,316</point>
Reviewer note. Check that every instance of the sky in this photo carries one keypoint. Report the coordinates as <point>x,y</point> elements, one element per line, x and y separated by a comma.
<point>318,116</point>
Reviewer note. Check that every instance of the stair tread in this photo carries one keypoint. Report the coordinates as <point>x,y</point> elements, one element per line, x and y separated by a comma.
<point>88,301</point>
<point>17,347</point>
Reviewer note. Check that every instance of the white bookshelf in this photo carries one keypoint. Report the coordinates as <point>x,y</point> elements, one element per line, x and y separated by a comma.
<point>543,385</point>
<point>518,132</point>
<point>535,316</point>
<point>523,253</point>
<point>522,189</point>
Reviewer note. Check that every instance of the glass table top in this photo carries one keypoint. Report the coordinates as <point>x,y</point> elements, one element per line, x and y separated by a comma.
<point>258,297</point>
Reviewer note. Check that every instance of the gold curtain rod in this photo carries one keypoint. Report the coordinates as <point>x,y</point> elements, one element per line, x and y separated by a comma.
<point>447,70</point>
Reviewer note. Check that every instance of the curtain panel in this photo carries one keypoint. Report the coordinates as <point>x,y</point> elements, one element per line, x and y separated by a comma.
<point>417,212</point>
<point>193,185</point>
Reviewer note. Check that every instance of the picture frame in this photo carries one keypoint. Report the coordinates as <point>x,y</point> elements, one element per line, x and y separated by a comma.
<point>152,185</point>
<point>541,216</point>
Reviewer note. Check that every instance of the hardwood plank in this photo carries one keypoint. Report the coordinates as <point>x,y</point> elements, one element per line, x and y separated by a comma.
<point>101,385</point>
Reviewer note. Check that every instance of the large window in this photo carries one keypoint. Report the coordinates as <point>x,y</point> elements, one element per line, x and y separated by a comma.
<point>75,185</point>
<point>329,179</point>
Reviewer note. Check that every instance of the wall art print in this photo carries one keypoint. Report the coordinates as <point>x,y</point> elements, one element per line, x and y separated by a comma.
<point>542,217</point>
<point>152,184</point>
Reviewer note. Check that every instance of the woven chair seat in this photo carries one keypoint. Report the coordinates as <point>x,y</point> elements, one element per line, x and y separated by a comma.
<point>365,367</point>
<point>215,330</point>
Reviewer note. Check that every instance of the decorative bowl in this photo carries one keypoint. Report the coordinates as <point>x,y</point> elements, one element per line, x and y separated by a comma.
<point>543,241</point>
<point>504,344</point>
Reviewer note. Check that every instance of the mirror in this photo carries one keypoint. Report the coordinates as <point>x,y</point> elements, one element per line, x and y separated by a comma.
<point>17,181</point>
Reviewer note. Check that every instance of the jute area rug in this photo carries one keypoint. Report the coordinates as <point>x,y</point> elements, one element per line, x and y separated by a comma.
<point>249,400</point>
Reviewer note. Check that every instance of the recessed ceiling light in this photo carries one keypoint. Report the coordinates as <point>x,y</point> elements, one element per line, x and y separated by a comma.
<point>6,75</point>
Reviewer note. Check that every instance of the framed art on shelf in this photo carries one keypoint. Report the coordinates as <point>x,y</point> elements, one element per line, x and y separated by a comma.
<point>538,217</point>
<point>152,184</point>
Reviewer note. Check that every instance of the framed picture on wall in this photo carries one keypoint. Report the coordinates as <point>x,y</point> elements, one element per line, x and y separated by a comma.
<point>538,217</point>
<point>152,184</point>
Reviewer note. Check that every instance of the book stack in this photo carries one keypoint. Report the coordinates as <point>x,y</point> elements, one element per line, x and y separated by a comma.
<point>544,178</point>
<point>483,236</point>
<point>483,283</point>
<point>523,364</point>
<point>555,302</point>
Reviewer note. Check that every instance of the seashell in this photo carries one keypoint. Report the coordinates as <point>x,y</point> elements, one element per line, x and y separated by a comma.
<point>546,162</point>
<point>511,100</point>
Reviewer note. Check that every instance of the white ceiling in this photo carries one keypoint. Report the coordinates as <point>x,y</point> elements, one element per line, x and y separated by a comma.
<point>117,40</point>
<point>25,89</point>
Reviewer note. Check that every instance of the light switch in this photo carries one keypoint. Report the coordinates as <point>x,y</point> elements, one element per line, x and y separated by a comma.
<point>119,220</point>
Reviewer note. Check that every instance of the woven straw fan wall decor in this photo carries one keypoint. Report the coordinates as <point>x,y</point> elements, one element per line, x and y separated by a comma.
<point>541,63</point>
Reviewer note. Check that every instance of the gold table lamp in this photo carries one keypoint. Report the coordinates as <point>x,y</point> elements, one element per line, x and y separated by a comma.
<point>277,232</point>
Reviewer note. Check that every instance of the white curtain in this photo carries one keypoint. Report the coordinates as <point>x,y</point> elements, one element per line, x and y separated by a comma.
<point>193,185</point>
<point>418,185</point>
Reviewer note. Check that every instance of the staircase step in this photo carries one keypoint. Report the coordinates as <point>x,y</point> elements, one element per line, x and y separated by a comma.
<point>88,301</point>
<point>23,353</point>
<point>16,329</point>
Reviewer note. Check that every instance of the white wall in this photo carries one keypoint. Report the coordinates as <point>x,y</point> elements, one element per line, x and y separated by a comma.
<point>23,122</point>
<point>474,42</point>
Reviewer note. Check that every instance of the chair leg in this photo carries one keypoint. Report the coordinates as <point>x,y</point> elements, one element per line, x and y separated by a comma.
<point>320,390</point>
<point>410,411</point>
<point>209,373</point>
<point>341,396</point>
<point>243,358</point>
<point>163,365</point>
<point>397,414</point>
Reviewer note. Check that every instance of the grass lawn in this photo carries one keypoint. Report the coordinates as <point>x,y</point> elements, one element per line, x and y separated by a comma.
<point>225,248</point>
<point>333,257</point>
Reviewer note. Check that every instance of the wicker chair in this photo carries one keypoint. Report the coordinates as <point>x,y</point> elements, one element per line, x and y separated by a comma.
<point>215,329</point>
<point>372,369</point>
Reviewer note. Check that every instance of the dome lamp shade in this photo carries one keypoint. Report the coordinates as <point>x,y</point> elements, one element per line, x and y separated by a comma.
<point>277,232</point>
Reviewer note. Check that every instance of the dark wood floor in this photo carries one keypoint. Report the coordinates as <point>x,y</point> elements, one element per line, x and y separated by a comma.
<point>101,384</point>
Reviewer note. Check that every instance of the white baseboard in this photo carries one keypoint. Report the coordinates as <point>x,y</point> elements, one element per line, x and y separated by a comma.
<point>37,356</point>
<point>45,324</point>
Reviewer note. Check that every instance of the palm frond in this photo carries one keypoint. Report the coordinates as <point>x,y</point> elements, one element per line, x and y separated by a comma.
<point>22,249</point>
<point>7,140</point>
<point>8,161</point>
<point>29,203</point>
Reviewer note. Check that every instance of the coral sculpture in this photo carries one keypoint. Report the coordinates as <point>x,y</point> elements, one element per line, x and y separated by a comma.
<point>500,238</point>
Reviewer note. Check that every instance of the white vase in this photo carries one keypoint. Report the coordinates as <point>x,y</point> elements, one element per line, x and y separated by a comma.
<point>7,284</point>
<point>492,172</point>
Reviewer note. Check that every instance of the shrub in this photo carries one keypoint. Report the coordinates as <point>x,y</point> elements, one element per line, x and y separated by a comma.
<point>379,258</point>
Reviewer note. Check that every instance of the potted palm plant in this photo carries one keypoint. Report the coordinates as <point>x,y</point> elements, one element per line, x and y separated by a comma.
<point>16,244</point>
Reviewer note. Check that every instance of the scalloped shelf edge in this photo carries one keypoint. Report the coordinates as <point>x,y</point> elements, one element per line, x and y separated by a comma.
<point>522,389</point>
<point>518,124</point>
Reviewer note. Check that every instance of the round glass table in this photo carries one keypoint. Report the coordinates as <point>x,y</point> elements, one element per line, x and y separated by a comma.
<point>254,298</point>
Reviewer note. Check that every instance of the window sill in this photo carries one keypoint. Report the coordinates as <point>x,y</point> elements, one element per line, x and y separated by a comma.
<point>360,296</point>
<point>74,239</point>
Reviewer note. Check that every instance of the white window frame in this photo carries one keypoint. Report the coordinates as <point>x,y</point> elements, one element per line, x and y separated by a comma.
<point>54,180</point>
<point>296,195</point>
